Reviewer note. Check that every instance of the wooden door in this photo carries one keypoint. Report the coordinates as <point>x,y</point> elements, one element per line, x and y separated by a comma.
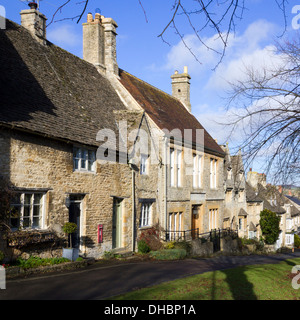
<point>197,220</point>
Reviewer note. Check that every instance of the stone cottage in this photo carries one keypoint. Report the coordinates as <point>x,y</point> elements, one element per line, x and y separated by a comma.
<point>87,142</point>
<point>53,105</point>
<point>270,198</point>
<point>182,163</point>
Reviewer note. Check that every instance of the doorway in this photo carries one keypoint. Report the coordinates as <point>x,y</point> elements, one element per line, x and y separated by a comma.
<point>197,220</point>
<point>117,223</point>
<point>75,215</point>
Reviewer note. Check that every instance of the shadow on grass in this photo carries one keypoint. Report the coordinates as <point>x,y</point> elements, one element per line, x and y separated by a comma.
<point>239,285</point>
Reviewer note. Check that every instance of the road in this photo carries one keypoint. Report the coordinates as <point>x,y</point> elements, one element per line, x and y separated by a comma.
<point>98,282</point>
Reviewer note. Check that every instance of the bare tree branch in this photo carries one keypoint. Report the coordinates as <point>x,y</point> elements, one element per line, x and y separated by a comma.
<point>270,116</point>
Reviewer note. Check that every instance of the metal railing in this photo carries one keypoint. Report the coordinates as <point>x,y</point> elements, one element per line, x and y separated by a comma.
<point>188,235</point>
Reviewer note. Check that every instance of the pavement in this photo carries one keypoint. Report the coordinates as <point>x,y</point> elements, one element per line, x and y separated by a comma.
<point>100,281</point>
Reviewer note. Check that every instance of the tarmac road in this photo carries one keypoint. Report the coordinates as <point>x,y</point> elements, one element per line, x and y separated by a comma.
<point>98,282</point>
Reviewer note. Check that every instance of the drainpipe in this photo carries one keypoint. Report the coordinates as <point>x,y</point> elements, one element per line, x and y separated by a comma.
<point>133,210</point>
<point>166,183</point>
<point>133,168</point>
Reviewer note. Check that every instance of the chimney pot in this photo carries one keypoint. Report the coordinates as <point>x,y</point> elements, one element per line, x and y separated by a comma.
<point>89,17</point>
<point>32,5</point>
<point>98,17</point>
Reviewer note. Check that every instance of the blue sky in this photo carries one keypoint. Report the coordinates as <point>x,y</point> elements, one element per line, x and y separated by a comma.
<point>142,53</point>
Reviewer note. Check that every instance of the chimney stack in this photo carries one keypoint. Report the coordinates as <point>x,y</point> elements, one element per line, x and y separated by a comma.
<point>34,22</point>
<point>181,87</point>
<point>99,43</point>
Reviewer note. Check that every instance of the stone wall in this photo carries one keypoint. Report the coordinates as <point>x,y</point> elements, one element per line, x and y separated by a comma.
<point>201,249</point>
<point>37,163</point>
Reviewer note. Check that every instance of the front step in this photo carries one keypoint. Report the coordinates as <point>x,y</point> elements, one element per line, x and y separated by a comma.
<point>122,252</point>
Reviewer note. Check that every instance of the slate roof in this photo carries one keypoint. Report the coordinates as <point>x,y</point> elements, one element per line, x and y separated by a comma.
<point>49,91</point>
<point>294,199</point>
<point>251,194</point>
<point>166,111</point>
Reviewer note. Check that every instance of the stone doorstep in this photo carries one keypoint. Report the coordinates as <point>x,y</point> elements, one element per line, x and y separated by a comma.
<point>16,272</point>
<point>122,252</point>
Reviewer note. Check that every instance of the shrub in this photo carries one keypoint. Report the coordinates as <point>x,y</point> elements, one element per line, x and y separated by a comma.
<point>79,259</point>
<point>143,247</point>
<point>151,237</point>
<point>34,262</point>
<point>296,241</point>
<point>168,254</point>
<point>69,228</point>
<point>187,246</point>
<point>108,255</point>
<point>170,245</point>
<point>269,222</point>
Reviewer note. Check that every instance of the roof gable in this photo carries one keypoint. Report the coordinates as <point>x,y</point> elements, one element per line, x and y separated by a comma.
<point>166,111</point>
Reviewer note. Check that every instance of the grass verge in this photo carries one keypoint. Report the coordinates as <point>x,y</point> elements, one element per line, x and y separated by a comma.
<point>255,282</point>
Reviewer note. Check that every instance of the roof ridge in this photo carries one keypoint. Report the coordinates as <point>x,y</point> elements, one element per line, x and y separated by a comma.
<point>150,85</point>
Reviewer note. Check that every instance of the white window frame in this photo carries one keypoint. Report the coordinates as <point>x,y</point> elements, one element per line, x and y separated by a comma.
<point>22,209</point>
<point>213,173</point>
<point>213,219</point>
<point>179,221</point>
<point>179,168</point>
<point>86,159</point>
<point>144,164</point>
<point>172,167</point>
<point>241,223</point>
<point>197,171</point>
<point>289,239</point>
<point>146,214</point>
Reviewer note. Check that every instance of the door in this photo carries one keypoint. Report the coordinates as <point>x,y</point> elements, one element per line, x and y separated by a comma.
<point>196,221</point>
<point>74,216</point>
<point>117,224</point>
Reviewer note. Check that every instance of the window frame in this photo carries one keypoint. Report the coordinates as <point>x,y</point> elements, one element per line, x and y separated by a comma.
<point>144,164</point>
<point>31,206</point>
<point>176,167</point>
<point>179,168</point>
<point>84,155</point>
<point>213,173</point>
<point>146,215</point>
<point>213,218</point>
<point>197,171</point>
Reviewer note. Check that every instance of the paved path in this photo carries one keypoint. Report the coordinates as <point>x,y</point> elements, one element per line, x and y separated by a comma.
<point>98,282</point>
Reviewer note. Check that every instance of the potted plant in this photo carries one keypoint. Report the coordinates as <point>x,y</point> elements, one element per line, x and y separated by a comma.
<point>70,252</point>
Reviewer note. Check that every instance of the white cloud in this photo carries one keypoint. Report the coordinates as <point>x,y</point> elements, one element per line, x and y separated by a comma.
<point>248,47</point>
<point>64,35</point>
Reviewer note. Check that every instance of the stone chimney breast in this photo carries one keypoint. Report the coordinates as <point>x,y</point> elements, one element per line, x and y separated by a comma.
<point>34,22</point>
<point>99,43</point>
<point>181,87</point>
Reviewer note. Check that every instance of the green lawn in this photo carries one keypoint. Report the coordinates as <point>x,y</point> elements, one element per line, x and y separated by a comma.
<point>257,282</point>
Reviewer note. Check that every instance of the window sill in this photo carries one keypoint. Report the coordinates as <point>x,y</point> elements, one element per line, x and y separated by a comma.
<point>84,171</point>
<point>145,227</point>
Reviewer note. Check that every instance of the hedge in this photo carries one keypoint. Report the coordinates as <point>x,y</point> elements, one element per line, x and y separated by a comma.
<point>168,254</point>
